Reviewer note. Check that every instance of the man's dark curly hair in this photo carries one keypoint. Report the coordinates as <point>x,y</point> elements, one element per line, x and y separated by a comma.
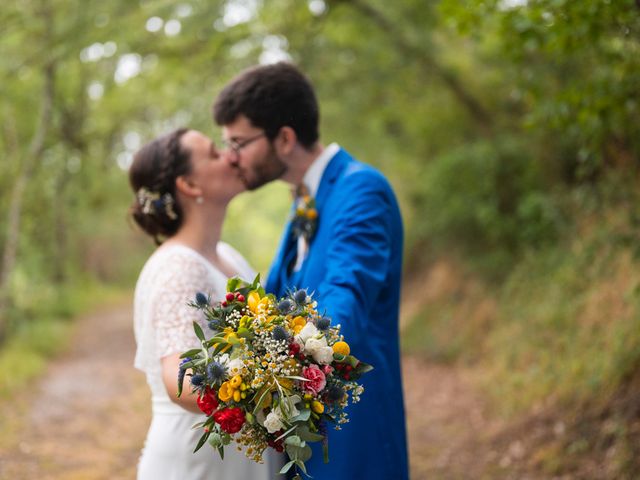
<point>271,97</point>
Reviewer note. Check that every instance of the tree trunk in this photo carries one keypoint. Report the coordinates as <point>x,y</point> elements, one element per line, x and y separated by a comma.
<point>29,164</point>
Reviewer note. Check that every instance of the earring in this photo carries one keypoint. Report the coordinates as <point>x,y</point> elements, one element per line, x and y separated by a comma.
<point>199,200</point>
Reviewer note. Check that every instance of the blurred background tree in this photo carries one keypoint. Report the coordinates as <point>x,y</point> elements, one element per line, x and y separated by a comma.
<point>509,128</point>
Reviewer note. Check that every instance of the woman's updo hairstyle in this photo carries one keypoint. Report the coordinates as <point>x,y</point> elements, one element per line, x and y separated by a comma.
<point>152,176</point>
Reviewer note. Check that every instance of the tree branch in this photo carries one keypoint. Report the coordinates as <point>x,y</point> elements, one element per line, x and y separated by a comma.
<point>471,104</point>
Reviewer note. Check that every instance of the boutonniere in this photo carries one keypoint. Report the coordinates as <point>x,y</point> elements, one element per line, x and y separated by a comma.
<point>305,218</point>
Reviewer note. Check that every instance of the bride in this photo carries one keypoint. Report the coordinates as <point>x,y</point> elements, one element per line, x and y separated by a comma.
<point>182,187</point>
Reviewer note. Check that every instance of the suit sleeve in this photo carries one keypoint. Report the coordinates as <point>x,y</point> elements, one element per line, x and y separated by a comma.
<point>358,254</point>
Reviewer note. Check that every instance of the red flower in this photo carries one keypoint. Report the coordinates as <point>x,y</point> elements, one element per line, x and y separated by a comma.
<point>230,419</point>
<point>294,348</point>
<point>208,402</point>
<point>317,380</point>
<point>277,445</point>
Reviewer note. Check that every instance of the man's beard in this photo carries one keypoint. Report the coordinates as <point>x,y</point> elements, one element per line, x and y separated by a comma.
<point>269,169</point>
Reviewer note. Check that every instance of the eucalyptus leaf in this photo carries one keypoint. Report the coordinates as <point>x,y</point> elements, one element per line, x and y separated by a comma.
<point>294,440</point>
<point>199,332</point>
<point>303,416</point>
<point>308,436</point>
<point>287,466</point>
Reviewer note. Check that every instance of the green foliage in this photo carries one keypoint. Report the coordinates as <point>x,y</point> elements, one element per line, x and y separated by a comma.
<point>488,200</point>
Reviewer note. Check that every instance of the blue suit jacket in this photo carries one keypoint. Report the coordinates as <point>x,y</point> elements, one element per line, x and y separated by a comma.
<point>354,267</point>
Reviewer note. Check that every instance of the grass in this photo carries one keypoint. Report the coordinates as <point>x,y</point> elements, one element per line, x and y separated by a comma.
<point>562,336</point>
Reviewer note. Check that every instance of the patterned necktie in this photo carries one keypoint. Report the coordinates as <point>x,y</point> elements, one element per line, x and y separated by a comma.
<point>304,222</point>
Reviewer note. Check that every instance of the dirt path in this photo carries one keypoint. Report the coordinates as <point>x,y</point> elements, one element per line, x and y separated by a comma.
<point>87,416</point>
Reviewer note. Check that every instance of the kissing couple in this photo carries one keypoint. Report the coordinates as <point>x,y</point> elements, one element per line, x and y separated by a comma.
<point>343,242</point>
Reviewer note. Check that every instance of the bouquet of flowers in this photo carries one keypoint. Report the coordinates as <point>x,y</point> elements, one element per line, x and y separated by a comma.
<point>275,373</point>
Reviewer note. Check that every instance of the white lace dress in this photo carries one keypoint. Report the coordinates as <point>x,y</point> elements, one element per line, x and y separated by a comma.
<point>163,326</point>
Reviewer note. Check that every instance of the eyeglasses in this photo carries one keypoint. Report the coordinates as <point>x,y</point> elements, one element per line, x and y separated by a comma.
<point>236,146</point>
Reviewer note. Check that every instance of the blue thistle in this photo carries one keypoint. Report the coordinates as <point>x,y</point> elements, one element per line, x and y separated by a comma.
<point>216,372</point>
<point>280,333</point>
<point>323,323</point>
<point>285,306</point>
<point>201,299</point>
<point>300,297</point>
<point>335,393</point>
<point>214,324</point>
<point>197,379</point>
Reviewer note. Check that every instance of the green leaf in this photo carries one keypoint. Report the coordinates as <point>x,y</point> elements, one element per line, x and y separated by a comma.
<point>220,347</point>
<point>308,436</point>
<point>215,440</point>
<point>245,333</point>
<point>202,441</point>
<point>305,455</point>
<point>363,368</point>
<point>325,452</point>
<point>303,416</point>
<point>213,340</point>
<point>294,440</point>
<point>180,386</point>
<point>191,353</point>
<point>287,466</point>
<point>199,332</point>
<point>232,284</point>
<point>263,393</point>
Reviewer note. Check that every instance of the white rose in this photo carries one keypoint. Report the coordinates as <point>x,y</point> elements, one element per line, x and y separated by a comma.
<point>313,344</point>
<point>273,422</point>
<point>235,367</point>
<point>307,332</point>
<point>323,356</point>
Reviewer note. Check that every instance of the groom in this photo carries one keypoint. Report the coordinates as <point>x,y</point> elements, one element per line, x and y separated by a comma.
<point>345,245</point>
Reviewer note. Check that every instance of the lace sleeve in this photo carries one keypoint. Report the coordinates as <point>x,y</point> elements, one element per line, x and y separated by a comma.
<point>172,317</point>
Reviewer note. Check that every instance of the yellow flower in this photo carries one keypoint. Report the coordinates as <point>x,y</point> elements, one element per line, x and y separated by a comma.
<point>237,395</point>
<point>297,324</point>
<point>252,301</point>
<point>257,304</point>
<point>225,392</point>
<point>312,214</point>
<point>236,381</point>
<point>342,348</point>
<point>229,333</point>
<point>317,407</point>
<point>285,383</point>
